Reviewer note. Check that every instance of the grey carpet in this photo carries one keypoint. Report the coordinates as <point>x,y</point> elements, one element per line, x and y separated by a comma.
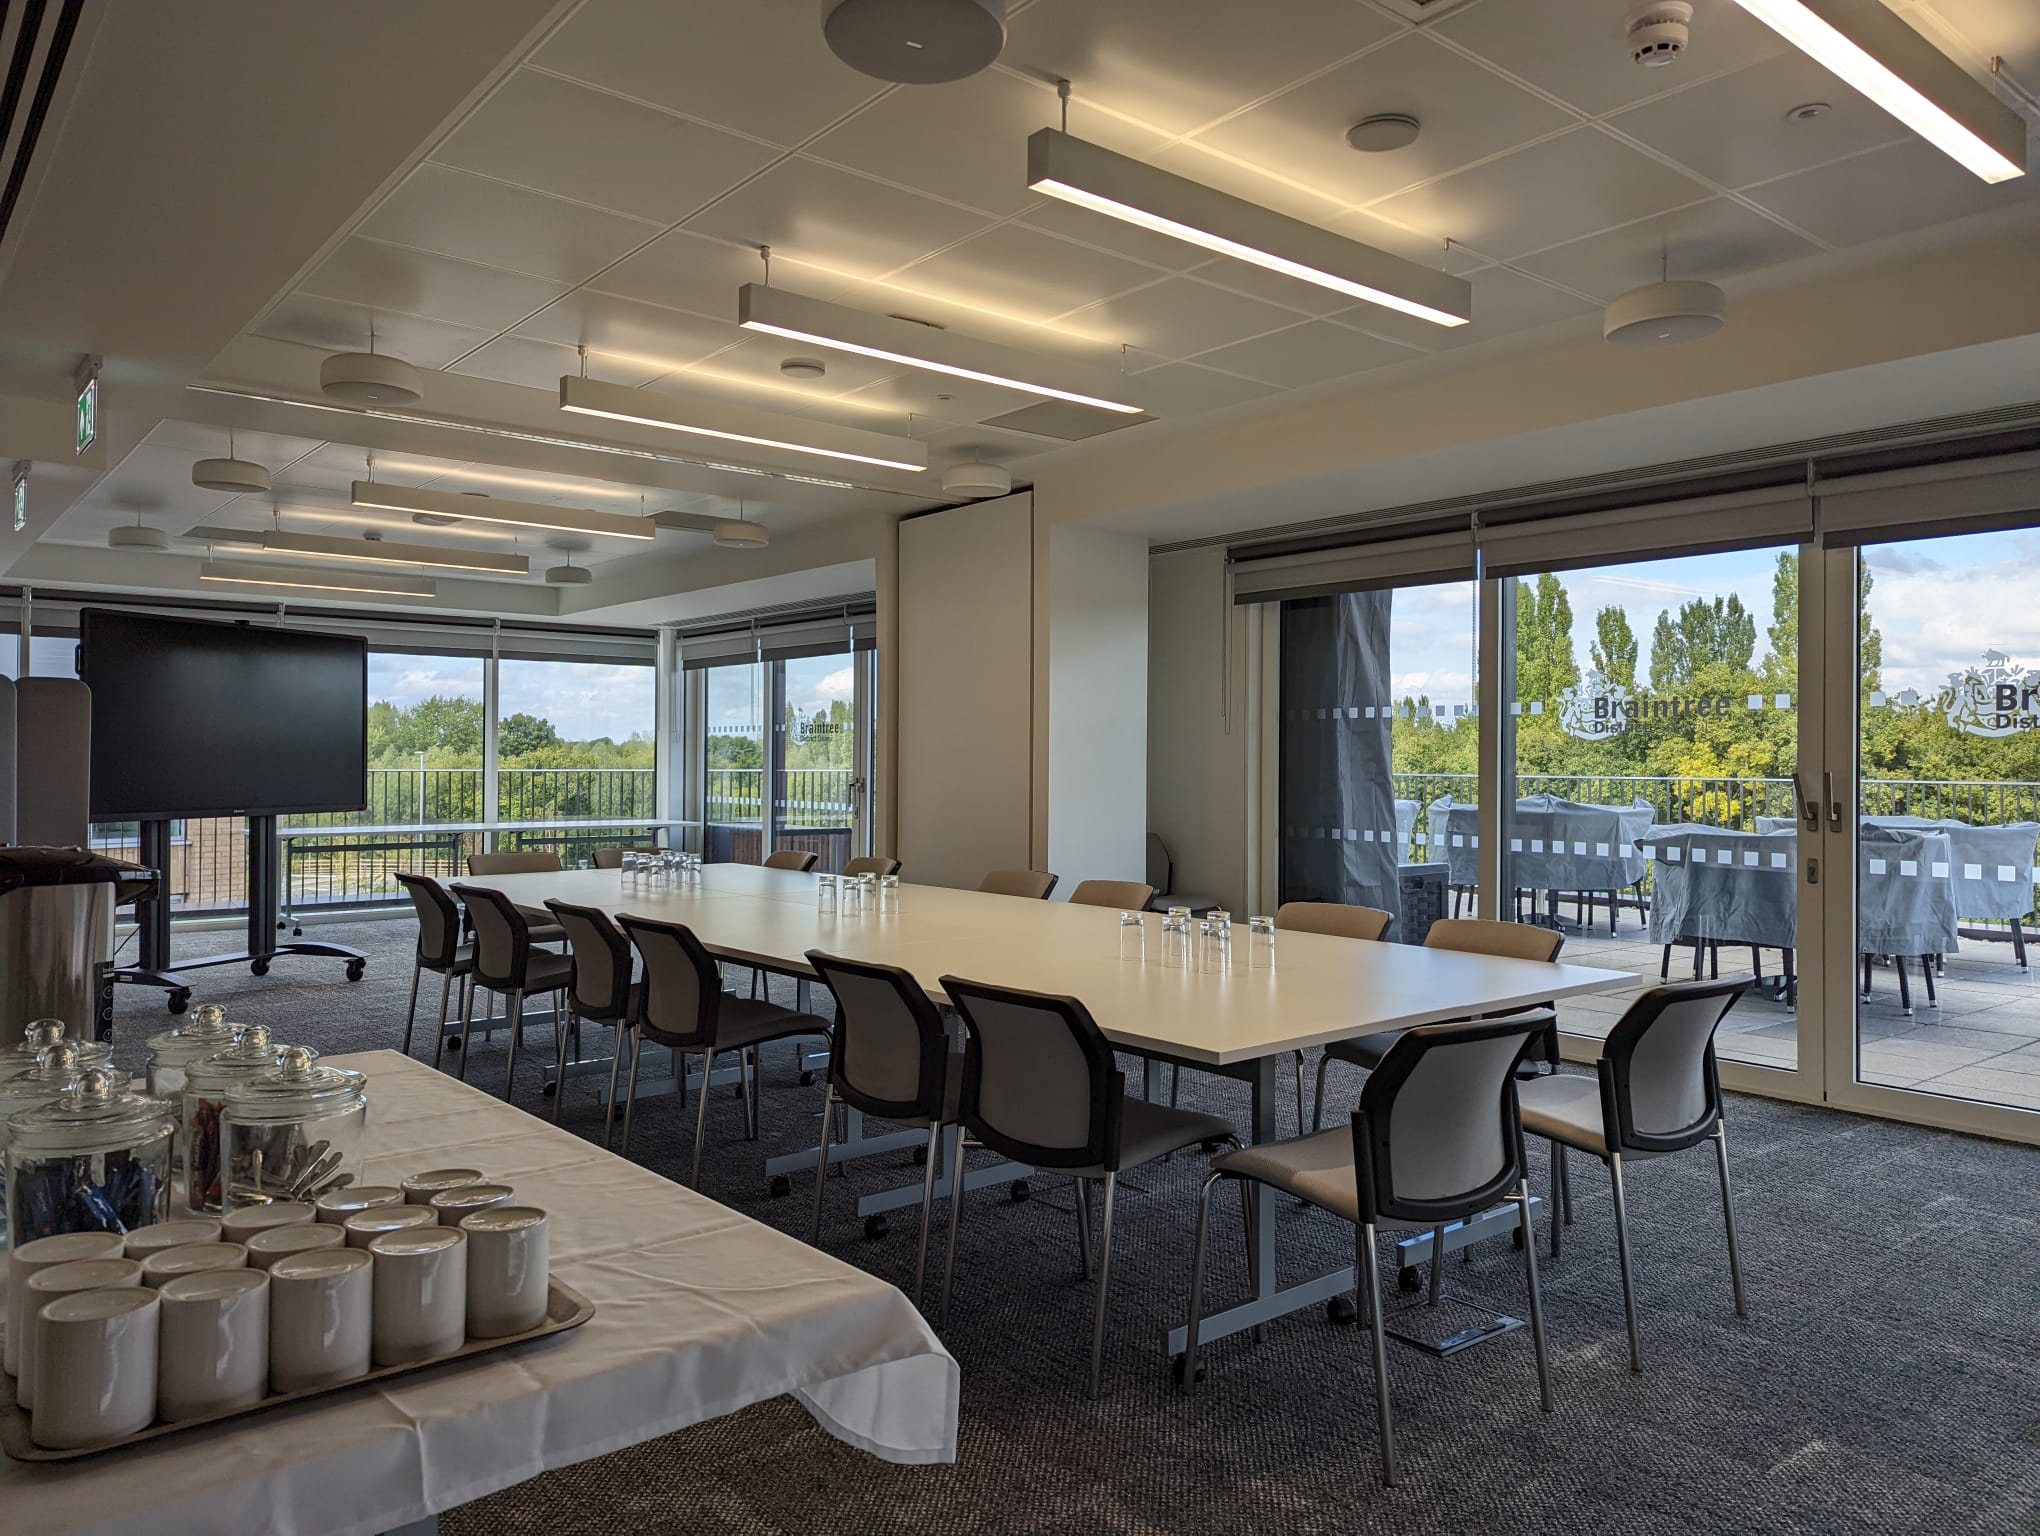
<point>1888,1379</point>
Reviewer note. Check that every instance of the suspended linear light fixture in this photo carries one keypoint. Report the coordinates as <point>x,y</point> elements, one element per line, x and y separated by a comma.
<point>1093,177</point>
<point>1874,49</point>
<point>381,497</point>
<point>381,552</point>
<point>253,573</point>
<point>739,424</point>
<point>799,318</point>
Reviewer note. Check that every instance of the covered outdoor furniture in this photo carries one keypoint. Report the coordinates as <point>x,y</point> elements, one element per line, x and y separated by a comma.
<point>1554,846</point>
<point>1712,886</point>
<point>1905,902</point>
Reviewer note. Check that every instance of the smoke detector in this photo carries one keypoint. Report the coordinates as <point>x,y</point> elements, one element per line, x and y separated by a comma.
<point>737,534</point>
<point>235,477</point>
<point>804,368</point>
<point>1659,31</point>
<point>569,575</point>
<point>136,535</point>
<point>1665,314</point>
<point>369,378</point>
<point>976,479</point>
<point>1384,131</point>
<point>915,42</point>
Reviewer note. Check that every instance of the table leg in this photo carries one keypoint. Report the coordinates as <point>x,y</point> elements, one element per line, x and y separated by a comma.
<point>1261,1262</point>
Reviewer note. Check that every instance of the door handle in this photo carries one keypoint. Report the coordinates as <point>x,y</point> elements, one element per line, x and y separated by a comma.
<point>1809,808</point>
<point>1834,805</point>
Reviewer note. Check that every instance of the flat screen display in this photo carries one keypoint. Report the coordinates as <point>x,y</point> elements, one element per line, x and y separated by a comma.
<point>191,717</point>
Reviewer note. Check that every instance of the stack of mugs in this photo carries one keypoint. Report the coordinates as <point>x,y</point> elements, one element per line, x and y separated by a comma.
<point>184,1320</point>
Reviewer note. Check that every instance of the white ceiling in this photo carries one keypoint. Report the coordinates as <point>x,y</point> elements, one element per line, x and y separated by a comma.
<point>612,190</point>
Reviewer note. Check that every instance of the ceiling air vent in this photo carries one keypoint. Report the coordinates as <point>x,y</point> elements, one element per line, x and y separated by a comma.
<point>1060,419</point>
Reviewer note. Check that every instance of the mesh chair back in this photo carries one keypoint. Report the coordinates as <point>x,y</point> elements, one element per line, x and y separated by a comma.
<point>1039,1083</point>
<point>612,858</point>
<point>536,861</point>
<point>683,986</point>
<point>1035,884</point>
<point>889,1053</point>
<point>1483,936</point>
<point>790,858</point>
<point>1127,895</point>
<point>601,961</point>
<point>1437,1135</point>
<point>872,864</point>
<point>1334,918</point>
<point>1660,1090</point>
<point>438,920</point>
<point>502,937</point>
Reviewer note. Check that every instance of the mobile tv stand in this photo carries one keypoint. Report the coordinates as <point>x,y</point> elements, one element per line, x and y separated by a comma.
<point>154,968</point>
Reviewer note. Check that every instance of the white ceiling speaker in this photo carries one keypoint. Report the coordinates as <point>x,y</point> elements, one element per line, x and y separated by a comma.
<point>136,535</point>
<point>1383,132</point>
<point>804,368</point>
<point>915,42</point>
<point>235,477</point>
<point>976,479</point>
<point>369,378</point>
<point>741,535</point>
<point>569,576</point>
<point>1665,314</point>
<point>1659,31</point>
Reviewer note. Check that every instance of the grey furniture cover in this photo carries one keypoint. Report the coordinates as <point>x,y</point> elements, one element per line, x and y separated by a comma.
<point>1554,844</point>
<point>1906,899</point>
<point>1723,887</point>
<point>1991,868</point>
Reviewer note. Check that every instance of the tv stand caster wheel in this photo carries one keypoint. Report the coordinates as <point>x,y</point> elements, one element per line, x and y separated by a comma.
<point>297,933</point>
<point>780,1187</point>
<point>1408,1278</point>
<point>549,1091</point>
<point>1176,1370</point>
<point>875,1227</point>
<point>179,1001</point>
<point>1340,1309</point>
<point>355,968</point>
<point>1019,1189</point>
<point>259,967</point>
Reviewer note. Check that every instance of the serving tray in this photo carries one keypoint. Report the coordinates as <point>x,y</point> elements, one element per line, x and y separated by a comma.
<point>566,1308</point>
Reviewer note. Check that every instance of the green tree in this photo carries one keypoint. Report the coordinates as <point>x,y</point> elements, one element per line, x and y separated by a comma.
<point>1705,635</point>
<point>1614,647</point>
<point>1545,665</point>
<point>520,735</point>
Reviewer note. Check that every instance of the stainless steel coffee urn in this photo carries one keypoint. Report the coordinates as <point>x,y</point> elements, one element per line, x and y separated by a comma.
<point>56,936</point>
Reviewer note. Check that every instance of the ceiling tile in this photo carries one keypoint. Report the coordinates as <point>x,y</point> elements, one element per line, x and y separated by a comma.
<point>817,216</point>
<point>541,364</point>
<point>1076,336</point>
<point>760,67</point>
<point>334,326</point>
<point>1909,186</point>
<point>1179,63</point>
<point>1710,240</point>
<point>1177,317</point>
<point>1023,273</point>
<point>204,442</point>
<point>1561,189</point>
<point>457,214</point>
<point>1263,185</point>
<point>395,277</point>
<point>1576,50</point>
<point>694,273</point>
<point>915,401</point>
<point>1307,354</point>
<point>1467,114</point>
<point>1185,389</point>
<point>980,444</point>
<point>629,333</point>
<point>1734,129</point>
<point>966,142</point>
<point>751,368</point>
<point>1504,302</point>
<point>555,136</point>
<point>1971,31</point>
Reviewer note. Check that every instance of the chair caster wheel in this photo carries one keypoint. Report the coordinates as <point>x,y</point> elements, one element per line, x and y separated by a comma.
<point>1409,1279</point>
<point>1176,1370</point>
<point>355,968</point>
<point>1340,1309</point>
<point>921,1157</point>
<point>549,1091</point>
<point>876,1227</point>
<point>738,1091</point>
<point>1516,1239</point>
<point>807,1079</point>
<point>259,967</point>
<point>178,1002</point>
<point>1019,1189</point>
<point>780,1186</point>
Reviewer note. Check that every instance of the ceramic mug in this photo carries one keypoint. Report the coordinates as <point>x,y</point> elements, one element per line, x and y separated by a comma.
<point>453,1204</point>
<point>101,1349</point>
<point>238,1226</point>
<point>44,1287</point>
<point>419,1188</point>
<point>364,1226</point>
<point>508,1278</point>
<point>336,1205</point>
<point>213,1343</point>
<point>420,1294</point>
<point>43,1253</point>
<point>144,1241</point>
<point>319,1318</point>
<point>266,1247</point>
<point>163,1267</point>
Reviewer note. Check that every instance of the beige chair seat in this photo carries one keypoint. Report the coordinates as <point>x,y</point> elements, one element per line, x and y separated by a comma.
<point>748,1022</point>
<point>1151,1131</point>
<point>1567,1108</point>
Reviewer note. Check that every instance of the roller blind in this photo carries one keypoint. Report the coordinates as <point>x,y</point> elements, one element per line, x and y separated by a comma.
<point>1973,496</point>
<point>1414,555</point>
<point>1520,540</point>
<point>831,630</point>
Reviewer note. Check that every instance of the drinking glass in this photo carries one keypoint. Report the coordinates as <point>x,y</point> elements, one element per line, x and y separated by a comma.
<point>825,893</point>
<point>1132,937</point>
<point>889,891</point>
<point>1261,943</point>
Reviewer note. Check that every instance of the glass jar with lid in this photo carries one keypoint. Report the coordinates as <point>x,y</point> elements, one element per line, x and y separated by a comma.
<point>288,1133</point>
<point>207,1033</point>
<point>94,1159</point>
<point>206,1082</point>
<point>55,1070</point>
<point>26,1054</point>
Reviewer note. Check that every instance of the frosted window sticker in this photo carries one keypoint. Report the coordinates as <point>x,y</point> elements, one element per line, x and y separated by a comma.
<point>1876,698</point>
<point>1782,700</point>
<point>1368,835</point>
<point>1579,850</point>
<point>1672,854</point>
<point>1537,845</point>
<point>1909,868</point>
<point>1649,850</point>
<point>1515,845</point>
<point>1877,866</point>
<point>1537,706</point>
<point>1779,861</point>
<point>1515,709</point>
<point>1756,701</point>
<point>1627,849</point>
<point>1458,839</point>
<point>1751,860</point>
<point>1975,872</point>
<point>1369,712</point>
<point>2007,873</point>
<point>1601,850</point>
<point>1940,870</point>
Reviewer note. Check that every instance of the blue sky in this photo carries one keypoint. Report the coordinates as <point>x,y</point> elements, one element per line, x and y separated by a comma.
<point>582,700</point>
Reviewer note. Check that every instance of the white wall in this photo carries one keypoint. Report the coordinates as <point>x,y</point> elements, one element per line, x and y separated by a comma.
<point>965,708</point>
<point>1097,749</point>
<point>1198,784</point>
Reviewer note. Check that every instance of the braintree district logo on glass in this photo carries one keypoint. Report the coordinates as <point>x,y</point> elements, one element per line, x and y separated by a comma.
<point>1598,708</point>
<point>1999,698</point>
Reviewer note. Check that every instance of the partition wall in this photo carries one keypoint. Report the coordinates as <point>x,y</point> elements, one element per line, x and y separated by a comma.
<point>1780,724</point>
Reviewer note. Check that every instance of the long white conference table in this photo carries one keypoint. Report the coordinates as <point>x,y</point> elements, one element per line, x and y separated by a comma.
<point>1242,1018</point>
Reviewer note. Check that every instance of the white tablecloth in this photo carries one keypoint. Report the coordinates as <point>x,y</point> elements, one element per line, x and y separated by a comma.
<point>700,1311</point>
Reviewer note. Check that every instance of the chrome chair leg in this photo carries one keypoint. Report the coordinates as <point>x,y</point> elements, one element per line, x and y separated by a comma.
<point>623,1035</point>
<point>1557,1193</point>
<point>1104,1286</point>
<point>1622,1252</point>
<point>411,1014</point>
<point>927,1204</point>
<point>516,1031</point>
<point>637,1045</point>
<point>955,1221</point>
<point>1197,1284</point>
<point>1565,1182</point>
<point>1438,1262</point>
<point>1083,1204</point>
<point>822,1166</point>
<point>1536,1296</point>
<point>1728,1212</point>
<point>1247,1221</point>
<point>1370,1290</point>
<point>439,1040</point>
<point>701,1114</point>
<point>560,1029</point>
<point>467,1028</point>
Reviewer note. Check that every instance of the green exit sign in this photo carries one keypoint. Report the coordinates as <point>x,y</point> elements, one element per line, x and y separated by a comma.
<point>88,413</point>
<point>20,494</point>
